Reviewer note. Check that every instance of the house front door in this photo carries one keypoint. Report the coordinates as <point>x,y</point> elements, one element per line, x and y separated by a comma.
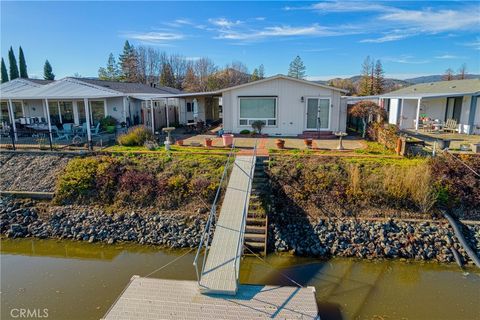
<point>317,114</point>
<point>454,108</point>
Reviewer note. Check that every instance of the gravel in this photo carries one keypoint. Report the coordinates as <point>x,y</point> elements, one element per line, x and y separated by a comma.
<point>30,172</point>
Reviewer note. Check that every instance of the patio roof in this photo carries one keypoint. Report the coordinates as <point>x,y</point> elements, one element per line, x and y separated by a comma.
<point>437,89</point>
<point>67,88</point>
<point>17,85</point>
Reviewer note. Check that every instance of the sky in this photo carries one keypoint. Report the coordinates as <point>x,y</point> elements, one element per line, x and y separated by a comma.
<point>332,37</point>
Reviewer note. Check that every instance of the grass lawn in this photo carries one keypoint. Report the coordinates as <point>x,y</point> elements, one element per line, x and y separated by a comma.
<point>161,150</point>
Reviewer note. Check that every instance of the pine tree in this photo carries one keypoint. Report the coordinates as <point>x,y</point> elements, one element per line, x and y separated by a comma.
<point>261,72</point>
<point>111,72</point>
<point>4,72</point>
<point>167,79</point>
<point>190,83</point>
<point>47,71</point>
<point>448,75</point>
<point>379,79</point>
<point>23,64</point>
<point>365,85</point>
<point>255,75</point>
<point>129,63</point>
<point>13,64</point>
<point>297,68</point>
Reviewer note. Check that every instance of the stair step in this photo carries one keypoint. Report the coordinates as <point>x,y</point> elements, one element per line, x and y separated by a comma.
<point>255,229</point>
<point>254,237</point>
<point>256,221</point>
<point>255,245</point>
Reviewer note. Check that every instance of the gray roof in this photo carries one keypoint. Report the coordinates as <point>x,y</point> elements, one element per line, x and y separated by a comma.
<point>130,87</point>
<point>440,88</point>
<point>39,81</point>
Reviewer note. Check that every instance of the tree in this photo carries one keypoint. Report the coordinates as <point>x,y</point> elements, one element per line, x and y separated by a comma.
<point>379,79</point>
<point>255,75</point>
<point>368,111</point>
<point>129,63</point>
<point>23,64</point>
<point>296,68</point>
<point>111,71</point>
<point>4,72</point>
<point>190,83</point>
<point>47,71</point>
<point>167,79</point>
<point>13,64</point>
<point>365,87</point>
<point>462,72</point>
<point>448,75</point>
<point>345,84</point>
<point>261,71</point>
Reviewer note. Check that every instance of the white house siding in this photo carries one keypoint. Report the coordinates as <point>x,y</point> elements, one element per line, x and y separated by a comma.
<point>33,108</point>
<point>115,108</point>
<point>394,111</point>
<point>409,113</point>
<point>476,121</point>
<point>291,111</point>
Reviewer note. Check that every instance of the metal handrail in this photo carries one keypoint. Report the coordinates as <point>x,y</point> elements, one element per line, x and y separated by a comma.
<point>211,217</point>
<point>245,209</point>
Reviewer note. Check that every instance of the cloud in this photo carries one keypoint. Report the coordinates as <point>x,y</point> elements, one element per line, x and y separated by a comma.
<point>386,38</point>
<point>154,37</point>
<point>343,6</point>
<point>475,44</point>
<point>224,23</point>
<point>447,56</point>
<point>405,59</point>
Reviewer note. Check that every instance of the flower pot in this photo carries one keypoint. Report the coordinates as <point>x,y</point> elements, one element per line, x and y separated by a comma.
<point>227,140</point>
<point>443,144</point>
<point>475,147</point>
<point>180,142</point>
<point>308,142</point>
<point>280,143</point>
<point>208,142</point>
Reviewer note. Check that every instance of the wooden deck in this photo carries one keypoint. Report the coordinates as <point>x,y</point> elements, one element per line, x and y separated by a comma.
<point>147,298</point>
<point>219,275</point>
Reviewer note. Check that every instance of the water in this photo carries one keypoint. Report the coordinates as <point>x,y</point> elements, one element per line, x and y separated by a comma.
<point>75,280</point>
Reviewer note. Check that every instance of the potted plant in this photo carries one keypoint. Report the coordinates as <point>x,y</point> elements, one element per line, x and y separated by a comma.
<point>108,124</point>
<point>280,143</point>
<point>308,142</point>
<point>208,142</point>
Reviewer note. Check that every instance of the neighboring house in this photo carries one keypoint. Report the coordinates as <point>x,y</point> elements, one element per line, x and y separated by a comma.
<point>438,101</point>
<point>23,100</point>
<point>287,106</point>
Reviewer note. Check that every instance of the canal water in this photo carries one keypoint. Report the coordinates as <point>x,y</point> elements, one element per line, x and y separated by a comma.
<point>75,280</point>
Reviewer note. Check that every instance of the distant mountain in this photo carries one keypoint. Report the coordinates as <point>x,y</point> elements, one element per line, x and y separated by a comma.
<point>436,77</point>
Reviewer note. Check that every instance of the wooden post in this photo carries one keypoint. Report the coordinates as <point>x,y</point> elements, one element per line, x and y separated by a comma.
<point>47,110</point>
<point>87,116</point>
<point>166,107</point>
<point>418,113</point>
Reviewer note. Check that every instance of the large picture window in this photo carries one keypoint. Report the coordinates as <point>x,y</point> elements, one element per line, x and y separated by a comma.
<point>258,109</point>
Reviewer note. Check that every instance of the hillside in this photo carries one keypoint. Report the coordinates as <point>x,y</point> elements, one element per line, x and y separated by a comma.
<point>436,77</point>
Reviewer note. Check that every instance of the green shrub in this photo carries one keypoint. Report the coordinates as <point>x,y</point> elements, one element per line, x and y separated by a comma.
<point>258,126</point>
<point>77,183</point>
<point>136,136</point>
<point>108,121</point>
<point>245,131</point>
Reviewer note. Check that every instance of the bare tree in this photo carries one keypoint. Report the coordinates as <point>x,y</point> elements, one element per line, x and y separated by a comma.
<point>462,72</point>
<point>448,75</point>
<point>204,67</point>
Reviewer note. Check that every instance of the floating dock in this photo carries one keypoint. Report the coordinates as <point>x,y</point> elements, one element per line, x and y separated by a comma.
<point>149,298</point>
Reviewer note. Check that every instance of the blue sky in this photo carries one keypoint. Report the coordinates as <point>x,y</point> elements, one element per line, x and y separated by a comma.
<point>333,38</point>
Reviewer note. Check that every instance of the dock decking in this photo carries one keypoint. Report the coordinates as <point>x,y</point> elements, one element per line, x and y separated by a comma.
<point>220,273</point>
<point>147,298</point>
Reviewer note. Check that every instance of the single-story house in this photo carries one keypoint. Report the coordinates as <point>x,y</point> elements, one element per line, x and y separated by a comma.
<point>287,107</point>
<point>436,101</point>
<point>69,100</point>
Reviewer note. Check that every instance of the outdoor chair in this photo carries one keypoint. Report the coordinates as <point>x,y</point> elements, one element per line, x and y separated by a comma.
<point>68,128</point>
<point>60,135</point>
<point>96,131</point>
<point>451,126</point>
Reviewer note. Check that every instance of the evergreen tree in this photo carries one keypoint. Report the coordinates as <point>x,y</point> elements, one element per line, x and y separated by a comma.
<point>47,71</point>
<point>4,72</point>
<point>23,64</point>
<point>167,79</point>
<point>111,72</point>
<point>190,83</point>
<point>379,78</point>
<point>129,63</point>
<point>13,64</point>
<point>255,75</point>
<point>448,75</point>
<point>261,72</point>
<point>365,83</point>
<point>296,68</point>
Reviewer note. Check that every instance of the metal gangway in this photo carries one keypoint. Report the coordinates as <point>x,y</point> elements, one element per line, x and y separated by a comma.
<point>219,270</point>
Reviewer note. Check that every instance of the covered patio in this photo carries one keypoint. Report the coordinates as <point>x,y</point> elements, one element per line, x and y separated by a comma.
<point>199,108</point>
<point>64,112</point>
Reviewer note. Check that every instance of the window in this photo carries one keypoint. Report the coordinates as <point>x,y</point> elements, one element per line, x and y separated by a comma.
<point>97,109</point>
<point>258,109</point>
<point>4,116</point>
<point>189,107</point>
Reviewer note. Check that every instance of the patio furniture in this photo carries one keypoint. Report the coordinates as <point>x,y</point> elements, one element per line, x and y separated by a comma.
<point>437,127</point>
<point>68,128</point>
<point>451,126</point>
<point>96,130</point>
<point>60,135</point>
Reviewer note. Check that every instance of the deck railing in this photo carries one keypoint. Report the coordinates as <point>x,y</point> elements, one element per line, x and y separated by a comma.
<point>205,238</point>
<point>246,201</point>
